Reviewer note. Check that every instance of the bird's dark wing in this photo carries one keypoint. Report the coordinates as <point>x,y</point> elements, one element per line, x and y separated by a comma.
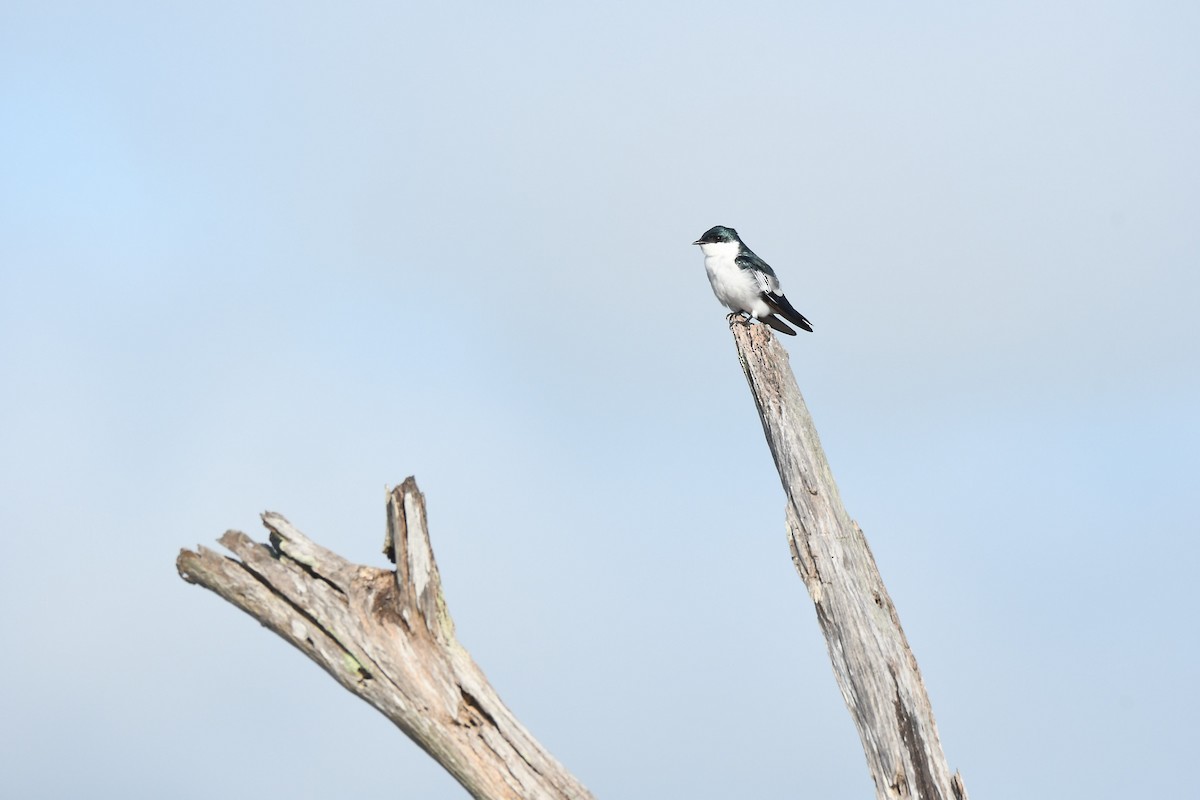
<point>771,294</point>
<point>783,307</point>
<point>748,261</point>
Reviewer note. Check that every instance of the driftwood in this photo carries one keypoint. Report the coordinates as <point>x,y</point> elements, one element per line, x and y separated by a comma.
<point>874,667</point>
<point>388,638</point>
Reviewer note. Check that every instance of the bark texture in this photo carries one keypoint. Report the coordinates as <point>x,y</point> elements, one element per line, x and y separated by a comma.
<point>874,667</point>
<point>387,637</point>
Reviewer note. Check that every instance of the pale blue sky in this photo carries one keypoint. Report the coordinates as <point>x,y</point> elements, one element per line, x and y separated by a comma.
<point>261,256</point>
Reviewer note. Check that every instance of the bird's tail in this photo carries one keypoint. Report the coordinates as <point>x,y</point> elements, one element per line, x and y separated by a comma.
<point>776,323</point>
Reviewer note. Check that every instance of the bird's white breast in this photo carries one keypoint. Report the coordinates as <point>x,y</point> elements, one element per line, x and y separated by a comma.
<point>735,287</point>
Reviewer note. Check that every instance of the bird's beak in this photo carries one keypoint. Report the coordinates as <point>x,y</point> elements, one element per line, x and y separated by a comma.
<point>697,242</point>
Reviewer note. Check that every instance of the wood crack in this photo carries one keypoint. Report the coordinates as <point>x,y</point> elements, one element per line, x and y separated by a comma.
<point>360,624</point>
<point>304,612</point>
<point>889,706</point>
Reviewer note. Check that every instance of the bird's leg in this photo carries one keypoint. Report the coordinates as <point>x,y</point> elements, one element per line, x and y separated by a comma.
<point>739,316</point>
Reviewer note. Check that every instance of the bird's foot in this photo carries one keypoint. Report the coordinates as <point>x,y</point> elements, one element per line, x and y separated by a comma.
<point>739,316</point>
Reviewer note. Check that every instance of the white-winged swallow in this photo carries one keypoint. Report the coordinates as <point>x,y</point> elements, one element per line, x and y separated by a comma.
<point>744,282</point>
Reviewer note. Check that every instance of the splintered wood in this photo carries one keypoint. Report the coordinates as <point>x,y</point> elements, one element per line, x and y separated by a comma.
<point>874,667</point>
<point>387,637</point>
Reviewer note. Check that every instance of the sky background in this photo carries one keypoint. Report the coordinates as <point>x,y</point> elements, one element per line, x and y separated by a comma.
<point>274,256</point>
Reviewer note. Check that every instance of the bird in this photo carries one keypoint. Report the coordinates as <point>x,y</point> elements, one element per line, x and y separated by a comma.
<point>745,283</point>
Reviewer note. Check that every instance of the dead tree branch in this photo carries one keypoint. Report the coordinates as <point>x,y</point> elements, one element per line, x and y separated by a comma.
<point>872,662</point>
<point>388,638</point>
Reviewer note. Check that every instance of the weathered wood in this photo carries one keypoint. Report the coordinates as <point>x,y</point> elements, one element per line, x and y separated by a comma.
<point>388,638</point>
<point>872,662</point>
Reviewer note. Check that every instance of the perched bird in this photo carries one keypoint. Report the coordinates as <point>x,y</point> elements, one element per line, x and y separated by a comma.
<point>744,282</point>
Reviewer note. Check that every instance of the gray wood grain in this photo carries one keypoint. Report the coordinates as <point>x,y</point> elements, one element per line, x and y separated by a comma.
<point>387,637</point>
<point>872,662</point>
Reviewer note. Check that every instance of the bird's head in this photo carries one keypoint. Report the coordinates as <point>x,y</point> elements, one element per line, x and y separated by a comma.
<point>718,234</point>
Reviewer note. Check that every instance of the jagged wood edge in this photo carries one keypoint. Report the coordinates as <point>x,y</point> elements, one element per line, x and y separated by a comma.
<point>872,662</point>
<point>388,637</point>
